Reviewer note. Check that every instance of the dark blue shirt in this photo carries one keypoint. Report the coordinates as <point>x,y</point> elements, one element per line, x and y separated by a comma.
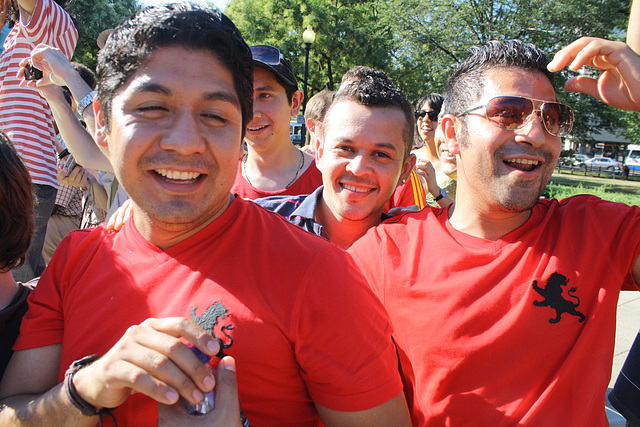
<point>298,210</point>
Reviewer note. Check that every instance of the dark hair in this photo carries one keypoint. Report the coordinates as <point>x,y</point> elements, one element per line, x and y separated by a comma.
<point>466,83</point>
<point>377,93</point>
<point>318,105</point>
<point>85,72</point>
<point>360,72</point>
<point>433,100</point>
<point>183,24</point>
<point>16,207</point>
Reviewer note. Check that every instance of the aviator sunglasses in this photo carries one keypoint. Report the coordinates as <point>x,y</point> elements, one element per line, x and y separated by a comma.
<point>514,112</point>
<point>433,116</point>
<point>266,54</point>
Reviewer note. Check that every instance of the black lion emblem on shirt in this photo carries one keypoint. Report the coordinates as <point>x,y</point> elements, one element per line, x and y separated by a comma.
<point>553,298</point>
<point>209,321</point>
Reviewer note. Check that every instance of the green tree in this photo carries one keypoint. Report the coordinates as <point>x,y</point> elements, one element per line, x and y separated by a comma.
<point>94,16</point>
<point>348,33</point>
<point>431,36</point>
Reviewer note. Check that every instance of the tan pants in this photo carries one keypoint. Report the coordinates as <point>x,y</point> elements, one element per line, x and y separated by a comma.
<point>57,228</point>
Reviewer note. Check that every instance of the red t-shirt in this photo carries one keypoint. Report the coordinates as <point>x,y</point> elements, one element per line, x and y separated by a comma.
<point>25,116</point>
<point>290,307</point>
<point>306,184</point>
<point>408,194</point>
<point>517,331</point>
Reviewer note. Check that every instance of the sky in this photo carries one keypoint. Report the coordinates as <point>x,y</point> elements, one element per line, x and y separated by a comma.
<point>220,4</point>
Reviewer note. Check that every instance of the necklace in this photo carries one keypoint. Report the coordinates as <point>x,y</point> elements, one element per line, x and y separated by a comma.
<point>300,166</point>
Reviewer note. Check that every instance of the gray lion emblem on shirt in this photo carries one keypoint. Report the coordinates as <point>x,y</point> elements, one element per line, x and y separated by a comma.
<point>211,321</point>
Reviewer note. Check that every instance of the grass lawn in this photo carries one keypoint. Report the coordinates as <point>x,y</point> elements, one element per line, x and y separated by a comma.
<point>564,185</point>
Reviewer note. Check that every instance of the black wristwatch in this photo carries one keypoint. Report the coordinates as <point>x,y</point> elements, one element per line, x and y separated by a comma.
<point>441,195</point>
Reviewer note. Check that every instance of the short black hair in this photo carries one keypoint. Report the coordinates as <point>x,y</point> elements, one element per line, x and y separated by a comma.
<point>373,92</point>
<point>17,223</point>
<point>85,72</point>
<point>183,24</point>
<point>466,83</point>
<point>360,72</point>
<point>433,100</point>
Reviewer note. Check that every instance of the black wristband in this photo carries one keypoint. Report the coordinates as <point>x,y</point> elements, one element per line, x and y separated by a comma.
<point>85,407</point>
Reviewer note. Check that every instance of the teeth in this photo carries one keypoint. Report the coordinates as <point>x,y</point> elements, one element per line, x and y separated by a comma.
<point>177,175</point>
<point>523,161</point>
<point>355,189</point>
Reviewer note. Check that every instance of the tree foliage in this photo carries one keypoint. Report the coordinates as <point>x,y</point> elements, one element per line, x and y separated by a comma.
<point>348,32</point>
<point>94,16</point>
<point>418,42</point>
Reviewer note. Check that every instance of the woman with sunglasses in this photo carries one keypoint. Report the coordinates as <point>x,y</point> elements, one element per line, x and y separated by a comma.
<point>437,184</point>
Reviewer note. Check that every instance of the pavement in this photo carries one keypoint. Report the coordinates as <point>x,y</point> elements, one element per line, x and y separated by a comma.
<point>627,327</point>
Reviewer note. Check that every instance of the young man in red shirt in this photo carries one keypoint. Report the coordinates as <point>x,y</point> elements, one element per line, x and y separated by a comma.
<point>172,109</point>
<point>504,304</point>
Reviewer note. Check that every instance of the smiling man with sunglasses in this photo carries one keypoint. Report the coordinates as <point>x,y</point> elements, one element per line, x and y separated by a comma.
<point>504,304</point>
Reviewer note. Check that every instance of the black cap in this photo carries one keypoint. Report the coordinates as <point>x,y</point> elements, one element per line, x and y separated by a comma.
<point>283,70</point>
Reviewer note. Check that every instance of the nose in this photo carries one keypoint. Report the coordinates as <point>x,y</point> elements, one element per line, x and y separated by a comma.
<point>533,132</point>
<point>358,165</point>
<point>184,134</point>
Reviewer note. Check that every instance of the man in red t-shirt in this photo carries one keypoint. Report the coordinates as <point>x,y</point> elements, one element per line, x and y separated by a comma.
<point>504,304</point>
<point>195,265</point>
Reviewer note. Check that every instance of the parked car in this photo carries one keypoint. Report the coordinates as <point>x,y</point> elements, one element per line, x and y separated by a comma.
<point>574,160</point>
<point>603,163</point>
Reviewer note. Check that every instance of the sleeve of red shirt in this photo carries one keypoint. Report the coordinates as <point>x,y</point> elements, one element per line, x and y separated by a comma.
<point>352,364</point>
<point>408,194</point>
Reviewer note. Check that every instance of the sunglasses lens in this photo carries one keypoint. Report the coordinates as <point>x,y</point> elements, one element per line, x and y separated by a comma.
<point>557,118</point>
<point>420,114</point>
<point>433,116</point>
<point>509,112</point>
<point>266,54</point>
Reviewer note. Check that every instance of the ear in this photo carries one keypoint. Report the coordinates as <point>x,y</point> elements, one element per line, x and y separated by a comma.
<point>407,167</point>
<point>101,134</point>
<point>296,102</point>
<point>450,126</point>
<point>310,125</point>
<point>319,150</point>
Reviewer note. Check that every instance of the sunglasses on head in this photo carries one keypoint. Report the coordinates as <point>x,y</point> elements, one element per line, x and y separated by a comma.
<point>266,54</point>
<point>514,112</point>
<point>433,116</point>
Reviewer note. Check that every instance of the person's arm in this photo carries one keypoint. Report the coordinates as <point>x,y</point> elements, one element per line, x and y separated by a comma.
<point>619,82</point>
<point>149,358</point>
<point>393,413</point>
<point>57,71</point>
<point>5,10</point>
<point>633,28</point>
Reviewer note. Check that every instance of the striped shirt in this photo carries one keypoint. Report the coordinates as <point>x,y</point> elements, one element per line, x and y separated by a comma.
<point>25,116</point>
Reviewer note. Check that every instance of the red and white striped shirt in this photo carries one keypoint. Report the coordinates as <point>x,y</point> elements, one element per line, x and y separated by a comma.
<point>25,116</point>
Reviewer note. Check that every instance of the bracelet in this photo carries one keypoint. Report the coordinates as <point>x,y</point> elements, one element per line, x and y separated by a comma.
<point>85,102</point>
<point>440,196</point>
<point>85,407</point>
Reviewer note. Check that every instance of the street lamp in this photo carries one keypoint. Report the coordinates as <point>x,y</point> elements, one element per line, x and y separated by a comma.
<point>308,36</point>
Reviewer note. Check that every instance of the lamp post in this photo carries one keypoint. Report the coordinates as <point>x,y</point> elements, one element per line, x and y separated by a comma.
<point>308,36</point>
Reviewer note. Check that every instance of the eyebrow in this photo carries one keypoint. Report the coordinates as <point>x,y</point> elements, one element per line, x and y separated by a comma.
<point>379,145</point>
<point>220,95</point>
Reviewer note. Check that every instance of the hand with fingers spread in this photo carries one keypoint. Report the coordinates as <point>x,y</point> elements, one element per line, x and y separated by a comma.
<point>151,359</point>
<point>619,82</point>
<point>227,408</point>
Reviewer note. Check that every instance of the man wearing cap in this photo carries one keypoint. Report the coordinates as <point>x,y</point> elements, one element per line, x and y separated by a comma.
<point>504,304</point>
<point>273,165</point>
